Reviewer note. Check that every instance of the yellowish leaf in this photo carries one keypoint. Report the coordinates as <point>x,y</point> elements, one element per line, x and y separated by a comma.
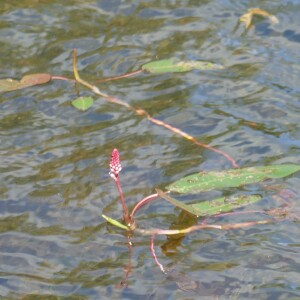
<point>8,85</point>
<point>247,18</point>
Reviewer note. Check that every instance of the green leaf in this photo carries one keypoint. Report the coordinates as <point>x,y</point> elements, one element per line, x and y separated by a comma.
<point>212,207</point>
<point>115,222</point>
<point>175,65</point>
<point>83,103</point>
<point>188,208</point>
<point>8,85</point>
<point>205,181</point>
<point>224,204</point>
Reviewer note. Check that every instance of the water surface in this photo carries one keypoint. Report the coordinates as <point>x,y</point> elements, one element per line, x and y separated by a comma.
<point>54,159</point>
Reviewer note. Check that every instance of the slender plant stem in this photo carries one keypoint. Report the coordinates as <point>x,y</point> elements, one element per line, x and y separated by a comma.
<point>120,76</point>
<point>188,137</point>
<point>125,210</point>
<point>142,203</point>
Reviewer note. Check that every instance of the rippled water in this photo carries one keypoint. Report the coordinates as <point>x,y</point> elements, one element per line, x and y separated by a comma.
<point>54,159</point>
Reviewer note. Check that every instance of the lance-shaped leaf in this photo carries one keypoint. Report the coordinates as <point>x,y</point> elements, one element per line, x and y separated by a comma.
<point>83,103</point>
<point>205,181</point>
<point>115,222</point>
<point>7,85</point>
<point>175,65</point>
<point>212,207</point>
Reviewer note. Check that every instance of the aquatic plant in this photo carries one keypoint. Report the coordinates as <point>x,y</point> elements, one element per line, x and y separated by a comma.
<point>200,212</point>
<point>215,208</point>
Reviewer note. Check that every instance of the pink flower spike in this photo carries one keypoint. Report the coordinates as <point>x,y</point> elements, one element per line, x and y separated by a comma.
<point>115,169</point>
<point>115,166</point>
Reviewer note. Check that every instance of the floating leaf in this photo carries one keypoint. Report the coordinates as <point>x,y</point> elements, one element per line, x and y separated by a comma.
<point>175,65</point>
<point>204,181</point>
<point>212,207</point>
<point>83,103</point>
<point>7,85</point>
<point>247,18</point>
<point>224,204</point>
<point>115,222</point>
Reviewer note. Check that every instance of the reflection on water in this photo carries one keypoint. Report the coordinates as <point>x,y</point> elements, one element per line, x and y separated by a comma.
<point>54,159</point>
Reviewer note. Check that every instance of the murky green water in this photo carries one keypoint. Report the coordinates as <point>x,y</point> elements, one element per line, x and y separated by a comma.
<point>54,159</point>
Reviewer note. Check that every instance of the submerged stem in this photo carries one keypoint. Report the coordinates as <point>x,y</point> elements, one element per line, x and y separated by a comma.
<point>157,231</point>
<point>154,254</point>
<point>127,269</point>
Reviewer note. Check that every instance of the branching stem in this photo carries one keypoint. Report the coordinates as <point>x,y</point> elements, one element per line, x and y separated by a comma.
<point>144,113</point>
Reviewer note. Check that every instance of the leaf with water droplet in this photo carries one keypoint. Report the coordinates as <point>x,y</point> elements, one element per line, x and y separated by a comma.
<point>83,103</point>
<point>174,65</point>
<point>8,85</point>
<point>205,181</point>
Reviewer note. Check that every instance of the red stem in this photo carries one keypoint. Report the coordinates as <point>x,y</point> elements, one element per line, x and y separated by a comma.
<point>187,136</point>
<point>142,203</point>
<point>125,210</point>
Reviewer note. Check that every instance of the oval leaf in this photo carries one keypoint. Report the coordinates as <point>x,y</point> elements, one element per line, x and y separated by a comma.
<point>7,85</point>
<point>83,103</point>
<point>205,181</point>
<point>34,79</point>
<point>175,65</point>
